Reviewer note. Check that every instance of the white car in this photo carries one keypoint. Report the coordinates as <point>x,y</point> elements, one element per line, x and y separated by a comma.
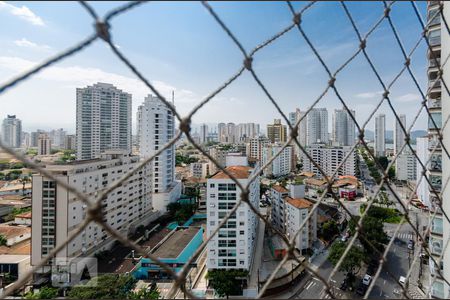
<point>402,280</point>
<point>366,280</point>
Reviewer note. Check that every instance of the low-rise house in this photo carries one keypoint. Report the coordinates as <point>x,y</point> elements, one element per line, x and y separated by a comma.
<point>14,233</point>
<point>23,219</point>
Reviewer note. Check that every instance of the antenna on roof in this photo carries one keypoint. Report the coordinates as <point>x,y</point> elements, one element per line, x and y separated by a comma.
<point>173,97</point>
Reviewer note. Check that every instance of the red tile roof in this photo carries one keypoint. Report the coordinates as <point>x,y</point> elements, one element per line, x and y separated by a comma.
<point>299,202</point>
<point>239,172</point>
<point>280,189</point>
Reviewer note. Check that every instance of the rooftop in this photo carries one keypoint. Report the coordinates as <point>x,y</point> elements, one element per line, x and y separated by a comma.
<point>15,187</point>
<point>280,189</point>
<point>175,243</point>
<point>239,172</point>
<point>314,181</point>
<point>307,174</point>
<point>13,258</point>
<point>26,215</point>
<point>23,247</point>
<point>299,202</point>
<point>11,231</point>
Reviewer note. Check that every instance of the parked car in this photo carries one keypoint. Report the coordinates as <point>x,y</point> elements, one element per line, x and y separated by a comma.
<point>361,290</point>
<point>411,245</point>
<point>367,279</point>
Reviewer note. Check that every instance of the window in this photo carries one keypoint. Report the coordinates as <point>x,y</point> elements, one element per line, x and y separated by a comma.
<point>211,185</point>
<point>241,232</point>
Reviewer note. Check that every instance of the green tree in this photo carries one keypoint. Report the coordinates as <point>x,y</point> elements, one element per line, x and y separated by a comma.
<point>151,293</point>
<point>109,286</point>
<point>352,261</point>
<point>226,282</point>
<point>371,235</point>
<point>44,293</point>
<point>3,240</point>
<point>329,229</point>
<point>383,161</point>
<point>391,172</point>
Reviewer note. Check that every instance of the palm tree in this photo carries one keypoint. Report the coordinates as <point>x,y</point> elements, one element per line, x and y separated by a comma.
<point>24,179</point>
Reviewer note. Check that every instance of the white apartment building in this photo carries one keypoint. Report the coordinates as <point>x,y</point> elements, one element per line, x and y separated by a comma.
<point>380,135</point>
<point>254,147</point>
<point>399,135</point>
<point>277,195</point>
<point>246,131</point>
<point>219,154</point>
<point>199,169</point>
<point>422,152</point>
<point>297,210</point>
<point>329,158</point>
<point>440,110</point>
<point>156,127</point>
<point>344,128</point>
<point>234,245</point>
<point>11,133</point>
<point>58,137</point>
<point>103,120</point>
<point>44,144</point>
<point>57,212</point>
<point>294,117</point>
<point>406,166</point>
<point>283,162</point>
<point>317,126</point>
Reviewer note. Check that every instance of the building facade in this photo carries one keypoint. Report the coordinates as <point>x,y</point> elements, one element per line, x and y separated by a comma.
<point>11,134</point>
<point>276,132</point>
<point>44,144</point>
<point>344,128</point>
<point>317,126</point>
<point>422,153</point>
<point>297,211</point>
<point>282,163</point>
<point>57,212</point>
<point>255,147</point>
<point>329,159</point>
<point>233,246</point>
<point>103,120</point>
<point>156,127</point>
<point>380,135</point>
<point>406,167</point>
<point>399,135</point>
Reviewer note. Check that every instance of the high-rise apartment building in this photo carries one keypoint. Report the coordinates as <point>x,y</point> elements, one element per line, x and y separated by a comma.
<point>282,163</point>
<point>156,127</point>
<point>422,153</point>
<point>344,128</point>
<point>11,134</point>
<point>103,120</point>
<point>277,132</point>
<point>439,108</point>
<point>329,158</point>
<point>406,166</point>
<point>246,131</point>
<point>58,137</point>
<point>399,135</point>
<point>317,126</point>
<point>255,147</point>
<point>57,212</point>
<point>34,137</point>
<point>380,135</point>
<point>44,144</point>
<point>203,133</point>
<point>70,142</point>
<point>233,247</point>
<point>294,117</point>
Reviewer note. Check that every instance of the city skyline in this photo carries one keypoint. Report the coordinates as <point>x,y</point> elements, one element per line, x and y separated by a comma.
<point>172,71</point>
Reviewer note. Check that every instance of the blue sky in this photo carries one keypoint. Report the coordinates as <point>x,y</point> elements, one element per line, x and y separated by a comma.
<point>179,46</point>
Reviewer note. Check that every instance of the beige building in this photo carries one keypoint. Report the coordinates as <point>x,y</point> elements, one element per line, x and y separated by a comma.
<point>276,132</point>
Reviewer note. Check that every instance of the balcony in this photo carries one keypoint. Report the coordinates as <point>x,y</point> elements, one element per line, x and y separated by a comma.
<point>434,38</point>
<point>436,246</point>
<point>433,63</point>
<point>434,84</point>
<point>437,290</point>
<point>434,103</point>
<point>437,226</point>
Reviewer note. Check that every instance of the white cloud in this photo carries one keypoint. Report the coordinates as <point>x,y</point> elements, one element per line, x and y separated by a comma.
<point>369,95</point>
<point>76,76</point>
<point>410,97</point>
<point>23,13</point>
<point>23,42</point>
